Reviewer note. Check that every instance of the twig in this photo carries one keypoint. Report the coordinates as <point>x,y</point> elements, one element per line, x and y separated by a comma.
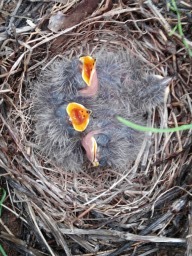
<point>4,35</point>
<point>189,237</point>
<point>20,243</point>
<point>39,231</point>
<point>123,235</point>
<point>164,23</point>
<point>14,12</point>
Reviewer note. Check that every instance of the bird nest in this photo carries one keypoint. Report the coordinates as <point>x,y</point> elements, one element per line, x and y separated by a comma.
<point>145,210</point>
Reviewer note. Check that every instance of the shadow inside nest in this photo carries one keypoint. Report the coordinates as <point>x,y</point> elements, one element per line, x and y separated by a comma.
<point>144,209</point>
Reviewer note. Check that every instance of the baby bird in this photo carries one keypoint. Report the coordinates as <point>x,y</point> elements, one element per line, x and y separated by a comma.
<point>62,114</point>
<point>76,103</point>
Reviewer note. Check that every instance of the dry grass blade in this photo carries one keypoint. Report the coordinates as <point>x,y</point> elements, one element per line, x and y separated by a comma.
<point>20,244</point>
<point>189,237</point>
<point>123,235</point>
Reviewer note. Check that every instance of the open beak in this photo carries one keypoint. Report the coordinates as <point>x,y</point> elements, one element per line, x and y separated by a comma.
<point>90,145</point>
<point>87,68</point>
<point>78,115</point>
<point>89,76</point>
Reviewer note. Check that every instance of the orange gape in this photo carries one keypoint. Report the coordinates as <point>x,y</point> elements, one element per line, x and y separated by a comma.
<point>78,115</point>
<point>88,65</point>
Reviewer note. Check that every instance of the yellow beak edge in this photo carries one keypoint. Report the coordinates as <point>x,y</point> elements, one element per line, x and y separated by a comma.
<point>78,115</point>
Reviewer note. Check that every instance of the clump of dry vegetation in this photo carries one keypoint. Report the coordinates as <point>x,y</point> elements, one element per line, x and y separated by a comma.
<point>144,211</point>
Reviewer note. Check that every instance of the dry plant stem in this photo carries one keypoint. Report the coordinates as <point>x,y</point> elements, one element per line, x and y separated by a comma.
<point>108,190</point>
<point>33,217</point>
<point>52,190</point>
<point>53,226</point>
<point>20,243</point>
<point>176,207</point>
<point>164,23</point>
<point>108,6</point>
<point>189,237</point>
<point>123,235</point>
<point>14,12</point>
<point>83,243</point>
<point>6,228</point>
<point>18,31</point>
<point>16,214</point>
<point>1,4</point>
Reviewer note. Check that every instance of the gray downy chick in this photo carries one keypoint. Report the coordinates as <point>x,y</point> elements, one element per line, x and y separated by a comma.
<point>124,88</point>
<point>125,77</point>
<point>57,86</point>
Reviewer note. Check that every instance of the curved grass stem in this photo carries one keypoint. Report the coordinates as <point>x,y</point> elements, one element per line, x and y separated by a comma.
<point>151,129</point>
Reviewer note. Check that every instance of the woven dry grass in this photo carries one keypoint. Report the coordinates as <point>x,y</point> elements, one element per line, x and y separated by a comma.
<point>147,209</point>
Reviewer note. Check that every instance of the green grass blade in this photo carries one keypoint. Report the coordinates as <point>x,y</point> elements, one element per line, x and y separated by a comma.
<point>151,129</point>
<point>2,251</point>
<point>173,7</point>
<point>2,199</point>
